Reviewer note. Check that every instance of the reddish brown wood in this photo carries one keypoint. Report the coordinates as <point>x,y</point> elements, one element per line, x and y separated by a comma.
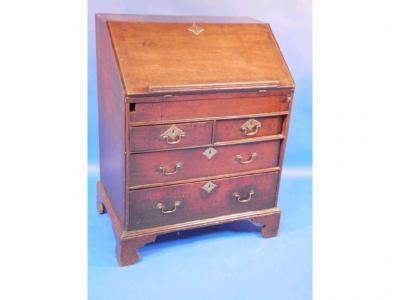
<point>154,73</point>
<point>207,108</point>
<point>145,167</point>
<point>128,242</point>
<point>270,224</point>
<point>196,203</point>
<point>104,199</point>
<point>127,250</point>
<point>285,130</point>
<point>229,130</point>
<point>210,94</point>
<point>111,120</point>
<point>145,138</point>
<point>187,58</point>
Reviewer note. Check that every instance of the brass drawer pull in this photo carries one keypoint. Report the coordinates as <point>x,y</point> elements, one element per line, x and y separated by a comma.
<point>237,196</point>
<point>239,158</point>
<point>178,165</point>
<point>161,207</point>
<point>250,127</point>
<point>173,135</point>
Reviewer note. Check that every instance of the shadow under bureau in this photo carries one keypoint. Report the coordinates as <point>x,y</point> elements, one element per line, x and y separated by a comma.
<point>193,120</point>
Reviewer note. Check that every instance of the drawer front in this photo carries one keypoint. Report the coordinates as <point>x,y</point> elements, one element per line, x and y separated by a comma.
<point>229,130</point>
<point>174,165</point>
<point>186,202</point>
<point>213,108</point>
<point>169,136</point>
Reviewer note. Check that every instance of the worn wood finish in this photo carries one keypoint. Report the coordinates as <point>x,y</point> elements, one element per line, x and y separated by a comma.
<point>270,224</point>
<point>256,192</point>
<point>247,215</point>
<point>144,168</point>
<point>128,242</point>
<point>126,249</point>
<point>230,130</point>
<point>207,108</point>
<point>111,99</point>
<point>210,94</point>
<point>187,58</point>
<point>153,73</point>
<point>104,200</point>
<point>146,138</point>
<point>204,87</point>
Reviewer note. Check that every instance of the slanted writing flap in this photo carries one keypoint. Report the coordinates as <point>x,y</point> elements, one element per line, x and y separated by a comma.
<point>166,56</point>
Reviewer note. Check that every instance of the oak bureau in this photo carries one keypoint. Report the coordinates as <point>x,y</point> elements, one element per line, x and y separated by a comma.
<point>193,120</point>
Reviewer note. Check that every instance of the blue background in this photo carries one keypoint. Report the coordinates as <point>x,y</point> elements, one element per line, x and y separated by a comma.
<point>229,261</point>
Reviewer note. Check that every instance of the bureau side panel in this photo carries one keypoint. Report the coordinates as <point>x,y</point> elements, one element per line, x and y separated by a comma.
<point>111,120</point>
<point>285,127</point>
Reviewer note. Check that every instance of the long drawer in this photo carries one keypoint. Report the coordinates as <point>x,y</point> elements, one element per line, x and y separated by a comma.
<point>198,109</point>
<point>176,165</point>
<point>199,200</point>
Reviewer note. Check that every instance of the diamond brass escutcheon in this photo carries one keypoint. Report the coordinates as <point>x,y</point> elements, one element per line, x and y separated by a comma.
<point>209,187</point>
<point>196,29</point>
<point>210,152</point>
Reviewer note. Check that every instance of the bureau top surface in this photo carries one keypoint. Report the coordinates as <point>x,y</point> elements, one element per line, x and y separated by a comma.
<point>157,53</point>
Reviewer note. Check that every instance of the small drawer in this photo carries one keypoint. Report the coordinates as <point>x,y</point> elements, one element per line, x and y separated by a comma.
<point>176,165</point>
<point>200,200</point>
<point>229,130</point>
<point>144,138</point>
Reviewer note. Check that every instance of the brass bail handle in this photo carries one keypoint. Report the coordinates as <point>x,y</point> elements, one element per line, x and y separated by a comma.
<point>161,207</point>
<point>250,127</point>
<point>174,140</point>
<point>163,170</point>
<point>239,158</point>
<point>248,199</point>
<point>173,135</point>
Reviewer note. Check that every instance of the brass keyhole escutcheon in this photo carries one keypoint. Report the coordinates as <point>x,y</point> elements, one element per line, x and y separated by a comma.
<point>210,152</point>
<point>209,186</point>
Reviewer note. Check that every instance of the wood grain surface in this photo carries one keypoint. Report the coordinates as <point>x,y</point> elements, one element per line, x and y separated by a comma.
<point>145,138</point>
<point>170,54</point>
<point>196,203</point>
<point>207,108</point>
<point>144,168</point>
<point>230,130</point>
